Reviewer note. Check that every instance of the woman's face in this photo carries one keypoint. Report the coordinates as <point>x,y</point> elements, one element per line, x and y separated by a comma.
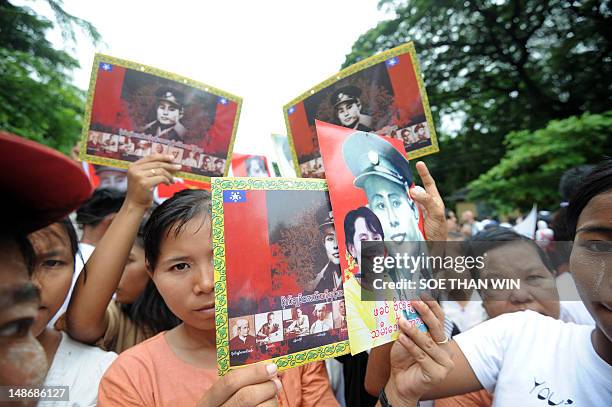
<point>184,274</point>
<point>299,313</point>
<point>362,232</point>
<point>591,259</point>
<point>134,278</point>
<point>53,270</point>
<point>537,292</point>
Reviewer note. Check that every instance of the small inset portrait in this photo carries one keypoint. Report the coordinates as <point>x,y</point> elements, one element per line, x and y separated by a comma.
<point>268,325</point>
<point>143,148</point>
<point>94,140</point>
<point>339,313</point>
<point>322,318</point>
<point>191,159</point>
<point>421,131</point>
<point>159,148</point>
<point>206,162</point>
<point>242,331</point>
<point>295,322</point>
<point>219,165</point>
<point>126,145</point>
<point>177,153</point>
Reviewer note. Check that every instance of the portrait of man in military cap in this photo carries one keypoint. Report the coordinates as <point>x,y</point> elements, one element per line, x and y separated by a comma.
<point>348,109</point>
<point>169,112</point>
<point>330,277</point>
<point>384,175</point>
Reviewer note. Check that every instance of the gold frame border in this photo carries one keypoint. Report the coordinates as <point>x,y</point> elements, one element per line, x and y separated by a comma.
<point>219,185</point>
<point>99,58</point>
<point>360,66</point>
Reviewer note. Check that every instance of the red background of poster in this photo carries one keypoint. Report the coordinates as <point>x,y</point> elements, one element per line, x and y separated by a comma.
<point>343,194</point>
<point>247,252</point>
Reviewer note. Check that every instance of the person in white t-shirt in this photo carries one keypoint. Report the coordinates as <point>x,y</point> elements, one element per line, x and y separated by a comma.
<point>72,364</point>
<point>527,359</point>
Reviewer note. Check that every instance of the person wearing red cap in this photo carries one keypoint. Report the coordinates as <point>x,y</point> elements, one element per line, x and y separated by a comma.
<point>47,189</point>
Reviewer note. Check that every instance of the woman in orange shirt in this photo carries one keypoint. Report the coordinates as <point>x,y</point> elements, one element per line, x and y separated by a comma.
<point>178,367</point>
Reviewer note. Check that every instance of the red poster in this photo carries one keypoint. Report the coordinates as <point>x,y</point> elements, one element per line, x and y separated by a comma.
<point>368,178</point>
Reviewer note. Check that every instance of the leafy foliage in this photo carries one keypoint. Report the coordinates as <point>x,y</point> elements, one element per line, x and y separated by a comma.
<point>501,66</point>
<point>37,100</point>
<point>534,161</point>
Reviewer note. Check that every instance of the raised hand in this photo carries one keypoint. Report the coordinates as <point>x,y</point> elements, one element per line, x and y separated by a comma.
<point>430,200</point>
<point>145,174</point>
<point>419,360</point>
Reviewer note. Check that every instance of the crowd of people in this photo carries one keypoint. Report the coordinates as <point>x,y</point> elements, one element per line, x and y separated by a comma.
<point>122,310</point>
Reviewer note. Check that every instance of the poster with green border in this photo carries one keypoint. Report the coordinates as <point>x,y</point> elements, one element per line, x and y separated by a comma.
<point>277,298</point>
<point>134,110</point>
<point>383,94</point>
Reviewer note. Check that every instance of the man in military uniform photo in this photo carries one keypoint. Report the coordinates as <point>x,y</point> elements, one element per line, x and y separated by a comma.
<point>330,277</point>
<point>384,174</point>
<point>348,109</point>
<point>169,112</point>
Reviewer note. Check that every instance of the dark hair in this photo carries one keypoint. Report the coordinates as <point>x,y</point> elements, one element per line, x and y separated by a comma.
<point>597,182</point>
<point>66,223</point>
<point>150,310</point>
<point>103,202</point>
<point>171,217</point>
<point>372,223</point>
<point>447,213</point>
<point>489,239</point>
<point>571,180</point>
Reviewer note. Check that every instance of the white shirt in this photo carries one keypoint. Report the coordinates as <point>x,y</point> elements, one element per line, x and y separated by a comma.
<point>80,259</point>
<point>465,318</point>
<point>80,367</point>
<point>527,359</point>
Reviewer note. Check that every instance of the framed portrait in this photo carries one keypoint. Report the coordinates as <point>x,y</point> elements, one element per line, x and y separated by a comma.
<point>135,110</point>
<point>368,177</point>
<point>276,264</point>
<point>384,94</point>
<point>247,165</point>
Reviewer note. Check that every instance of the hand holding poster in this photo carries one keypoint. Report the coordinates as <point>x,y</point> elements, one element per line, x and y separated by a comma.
<point>134,111</point>
<point>368,178</point>
<point>278,292</point>
<point>384,94</point>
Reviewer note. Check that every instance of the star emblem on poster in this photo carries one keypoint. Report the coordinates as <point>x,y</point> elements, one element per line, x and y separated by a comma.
<point>392,61</point>
<point>234,196</point>
<point>106,66</point>
<point>223,101</point>
<point>291,110</point>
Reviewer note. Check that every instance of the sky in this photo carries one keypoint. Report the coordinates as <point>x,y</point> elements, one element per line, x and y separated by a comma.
<point>268,51</point>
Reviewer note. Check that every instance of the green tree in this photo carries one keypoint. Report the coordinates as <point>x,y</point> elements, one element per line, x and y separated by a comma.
<point>505,65</point>
<point>37,99</point>
<point>535,160</point>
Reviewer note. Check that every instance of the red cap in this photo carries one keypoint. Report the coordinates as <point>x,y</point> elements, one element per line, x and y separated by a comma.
<point>38,184</point>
